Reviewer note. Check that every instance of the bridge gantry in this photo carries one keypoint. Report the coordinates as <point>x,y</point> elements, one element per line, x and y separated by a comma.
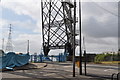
<point>58,24</point>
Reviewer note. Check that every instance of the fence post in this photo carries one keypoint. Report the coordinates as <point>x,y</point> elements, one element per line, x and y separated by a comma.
<point>118,76</point>
<point>112,77</point>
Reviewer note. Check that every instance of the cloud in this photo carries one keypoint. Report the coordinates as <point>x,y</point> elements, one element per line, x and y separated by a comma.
<point>21,43</point>
<point>26,7</point>
<point>38,28</point>
<point>100,26</point>
<point>100,0</point>
<point>99,23</point>
<point>97,29</point>
<point>21,32</point>
<point>31,8</point>
<point>101,11</point>
<point>27,30</point>
<point>18,26</point>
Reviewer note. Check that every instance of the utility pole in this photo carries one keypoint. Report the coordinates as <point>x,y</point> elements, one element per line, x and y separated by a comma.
<point>9,47</point>
<point>74,38</point>
<point>3,44</point>
<point>80,60</point>
<point>28,47</point>
<point>84,56</point>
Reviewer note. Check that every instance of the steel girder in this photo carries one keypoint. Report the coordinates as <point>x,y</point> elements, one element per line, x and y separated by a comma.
<point>57,25</point>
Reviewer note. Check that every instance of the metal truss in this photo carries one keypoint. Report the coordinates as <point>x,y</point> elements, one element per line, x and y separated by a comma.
<point>9,47</point>
<point>57,25</point>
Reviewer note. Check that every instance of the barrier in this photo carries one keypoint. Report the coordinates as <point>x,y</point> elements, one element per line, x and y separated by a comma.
<point>41,58</point>
<point>36,58</point>
<point>118,76</point>
<point>11,60</point>
<point>115,76</point>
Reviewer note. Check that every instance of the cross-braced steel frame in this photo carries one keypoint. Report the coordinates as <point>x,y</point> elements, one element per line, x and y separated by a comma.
<point>58,25</point>
<point>9,47</point>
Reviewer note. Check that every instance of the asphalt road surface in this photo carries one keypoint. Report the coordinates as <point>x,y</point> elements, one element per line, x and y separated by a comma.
<point>62,71</point>
<point>95,70</point>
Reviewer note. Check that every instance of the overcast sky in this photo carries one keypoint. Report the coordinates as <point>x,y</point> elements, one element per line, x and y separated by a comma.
<point>99,25</point>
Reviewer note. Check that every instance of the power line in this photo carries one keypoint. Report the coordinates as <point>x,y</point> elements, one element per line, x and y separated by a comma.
<point>106,9</point>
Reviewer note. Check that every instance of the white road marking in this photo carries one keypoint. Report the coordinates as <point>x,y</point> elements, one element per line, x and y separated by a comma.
<point>108,70</point>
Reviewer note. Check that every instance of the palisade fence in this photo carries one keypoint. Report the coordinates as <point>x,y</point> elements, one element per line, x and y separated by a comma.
<point>62,57</point>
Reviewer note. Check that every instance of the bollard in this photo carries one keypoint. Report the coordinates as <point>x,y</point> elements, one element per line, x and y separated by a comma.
<point>112,77</point>
<point>118,76</point>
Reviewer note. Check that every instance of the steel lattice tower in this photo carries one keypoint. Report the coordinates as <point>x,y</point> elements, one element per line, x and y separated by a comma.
<point>9,47</point>
<point>58,25</point>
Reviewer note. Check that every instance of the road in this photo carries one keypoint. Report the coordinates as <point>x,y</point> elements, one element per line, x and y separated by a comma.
<point>97,70</point>
<point>63,71</point>
<point>101,70</point>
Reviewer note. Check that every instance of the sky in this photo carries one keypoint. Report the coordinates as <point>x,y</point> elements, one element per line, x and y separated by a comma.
<point>99,25</point>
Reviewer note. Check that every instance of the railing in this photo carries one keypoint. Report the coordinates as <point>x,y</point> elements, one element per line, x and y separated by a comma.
<point>62,57</point>
<point>115,76</point>
<point>118,76</point>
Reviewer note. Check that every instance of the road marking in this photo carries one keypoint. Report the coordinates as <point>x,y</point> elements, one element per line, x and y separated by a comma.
<point>108,70</point>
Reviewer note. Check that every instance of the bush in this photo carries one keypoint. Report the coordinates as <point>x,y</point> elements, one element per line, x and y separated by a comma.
<point>99,57</point>
<point>106,57</point>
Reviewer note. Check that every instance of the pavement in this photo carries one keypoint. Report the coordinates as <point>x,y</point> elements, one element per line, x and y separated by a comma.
<point>59,71</point>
